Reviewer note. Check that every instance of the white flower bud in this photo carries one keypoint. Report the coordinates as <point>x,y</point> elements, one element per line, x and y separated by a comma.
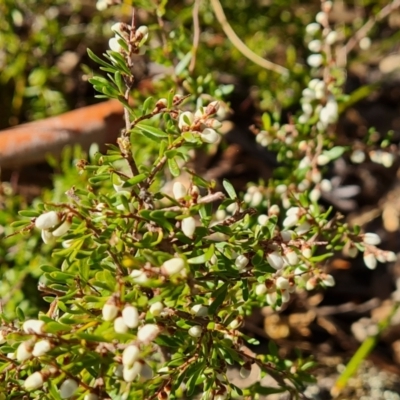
<point>63,228</point>
<point>68,388</point>
<point>291,257</point>
<point>139,277</point>
<point>209,135</point>
<point>328,280</point>
<point>142,33</point>
<point>370,260</point>
<point>185,120</point>
<point>315,60</point>
<point>282,283</point>
<point>41,347</point>
<point>326,185</point>
<point>303,228</point>
<point>313,28</point>
<point>91,396</point>
<point>262,219</point>
<point>290,221</point>
<point>390,256</point>
<point>261,289</point>
<point>195,331</point>
<point>271,298</point>
<point>156,308</point>
<point>235,324</point>
<point>306,252</point>
<point>357,157</point>
<point>130,316</point>
<point>287,235</point>
<point>329,114</point>
<point>352,252</point>
<point>387,159</point>
<point>315,46</point>
<point>33,326</point>
<point>213,107</point>
<point>179,191</point>
<point>47,237</point>
<point>245,372</point>
<point>213,123</point>
<point>47,220</point>
<point>110,311</point>
<point>120,326</point>
<point>34,381</point>
<point>199,310</point>
<point>130,355</point>
<point>285,296</point>
<point>365,43</point>
<point>371,238</point>
<point>321,18</point>
<point>24,351</point>
<point>322,159</point>
<point>331,38</point>
<point>173,266</point>
<point>275,260</point>
<point>114,45</point>
<point>241,262</point>
<point>311,284</point>
<point>118,28</point>
<point>2,338</point>
<point>130,374</point>
<point>148,333</point>
<point>188,226</point>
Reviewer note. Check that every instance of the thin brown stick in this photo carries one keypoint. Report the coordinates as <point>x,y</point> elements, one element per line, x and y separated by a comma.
<point>196,34</point>
<point>236,41</point>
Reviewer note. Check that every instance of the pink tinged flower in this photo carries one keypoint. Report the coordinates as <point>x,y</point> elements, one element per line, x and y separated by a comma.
<point>130,316</point>
<point>188,226</point>
<point>275,260</point>
<point>209,135</point>
<point>130,374</point>
<point>179,191</point>
<point>130,355</point>
<point>41,348</point>
<point>33,326</point>
<point>173,266</point>
<point>120,326</point>
<point>370,260</point>
<point>47,220</point>
<point>371,238</point>
<point>68,388</point>
<point>110,311</point>
<point>148,333</point>
<point>195,331</point>
<point>24,351</point>
<point>34,381</point>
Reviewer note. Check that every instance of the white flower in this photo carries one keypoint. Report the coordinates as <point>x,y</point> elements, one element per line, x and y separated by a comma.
<point>185,120</point>
<point>357,157</point>
<point>322,159</point>
<point>241,262</point>
<point>47,220</point>
<point>68,388</point>
<point>262,219</point>
<point>130,355</point>
<point>275,260</point>
<point>47,237</point>
<point>328,280</point>
<point>291,257</point>
<point>290,221</point>
<point>303,228</point>
<point>314,195</point>
<point>274,210</point>
<point>371,238</point>
<point>142,33</point>
<point>34,381</point>
<point>313,28</point>
<point>188,226</point>
<point>307,109</point>
<point>271,298</point>
<point>326,185</point>
<point>179,191</point>
<point>315,60</point>
<point>130,374</point>
<point>139,277</point>
<point>370,260</point>
<point>287,235</point>
<point>156,308</point>
<point>282,283</point>
<point>62,229</point>
<point>120,326</point>
<point>199,310</point>
<point>285,296</point>
<point>315,46</point>
<point>114,45</point>
<point>2,338</point>
<point>322,18</point>
<point>173,266</point>
<point>41,347</point>
<point>261,289</point>
<point>195,331</point>
<point>235,324</point>
<point>331,38</point>
<point>91,396</point>
<point>329,113</point>
<point>130,316</point>
<point>110,311</point>
<point>390,256</point>
<point>306,252</point>
<point>209,135</point>
<point>33,326</point>
<point>148,333</point>
<point>24,351</point>
<point>311,284</point>
<point>352,252</point>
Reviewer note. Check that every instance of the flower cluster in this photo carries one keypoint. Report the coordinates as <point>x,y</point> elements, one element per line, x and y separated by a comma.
<point>53,225</point>
<point>127,40</point>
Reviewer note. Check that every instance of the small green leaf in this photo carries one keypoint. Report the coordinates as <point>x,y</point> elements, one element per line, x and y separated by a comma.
<point>135,180</point>
<point>219,296</point>
<point>229,189</point>
<point>173,167</point>
<point>28,213</point>
<point>151,130</point>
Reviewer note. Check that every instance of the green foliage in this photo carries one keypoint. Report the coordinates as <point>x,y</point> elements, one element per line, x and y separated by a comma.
<point>147,286</point>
